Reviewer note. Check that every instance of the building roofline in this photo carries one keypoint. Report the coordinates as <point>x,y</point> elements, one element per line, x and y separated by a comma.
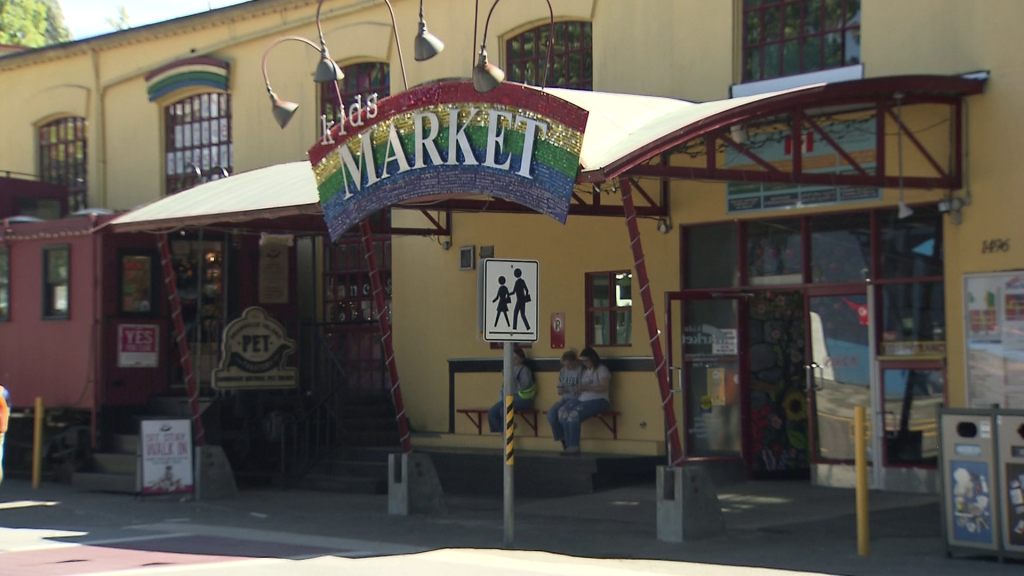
<point>173,27</point>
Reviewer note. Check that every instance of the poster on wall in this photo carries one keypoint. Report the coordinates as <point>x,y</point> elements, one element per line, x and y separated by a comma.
<point>165,450</point>
<point>273,273</point>
<point>972,502</point>
<point>1015,504</point>
<point>994,339</point>
<point>254,354</point>
<point>138,346</point>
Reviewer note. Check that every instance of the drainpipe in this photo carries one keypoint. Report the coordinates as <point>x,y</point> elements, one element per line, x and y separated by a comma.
<point>99,131</point>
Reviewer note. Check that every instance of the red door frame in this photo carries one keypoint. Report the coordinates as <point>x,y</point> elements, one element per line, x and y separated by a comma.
<point>742,359</point>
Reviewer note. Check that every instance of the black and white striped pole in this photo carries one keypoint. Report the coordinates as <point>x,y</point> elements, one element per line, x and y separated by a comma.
<point>510,414</point>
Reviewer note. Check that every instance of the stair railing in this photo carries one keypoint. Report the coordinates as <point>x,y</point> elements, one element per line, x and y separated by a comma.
<point>307,438</point>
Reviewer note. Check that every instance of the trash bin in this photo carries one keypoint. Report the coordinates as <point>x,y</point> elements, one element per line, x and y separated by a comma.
<point>970,495</point>
<point>1010,461</point>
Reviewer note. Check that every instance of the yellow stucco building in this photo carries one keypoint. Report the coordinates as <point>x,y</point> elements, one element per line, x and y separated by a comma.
<point>782,301</point>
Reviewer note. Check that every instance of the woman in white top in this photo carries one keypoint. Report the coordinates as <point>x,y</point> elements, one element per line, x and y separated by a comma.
<point>594,385</point>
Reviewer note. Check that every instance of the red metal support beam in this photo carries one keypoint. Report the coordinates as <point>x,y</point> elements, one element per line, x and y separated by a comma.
<point>385,335</point>
<point>433,220</point>
<point>184,355</point>
<point>579,200</point>
<point>917,143</point>
<point>820,179</point>
<point>880,108</point>
<point>743,150</point>
<point>675,452</point>
<point>650,201</point>
<point>837,147</point>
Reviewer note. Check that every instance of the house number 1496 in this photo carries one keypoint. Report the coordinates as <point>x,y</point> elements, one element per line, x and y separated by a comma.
<point>995,245</point>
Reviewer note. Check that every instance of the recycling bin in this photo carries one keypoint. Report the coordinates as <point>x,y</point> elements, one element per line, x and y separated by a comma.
<point>970,492</point>
<point>1010,463</point>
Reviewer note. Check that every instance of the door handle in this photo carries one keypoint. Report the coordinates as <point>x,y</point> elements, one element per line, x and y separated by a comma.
<point>672,390</point>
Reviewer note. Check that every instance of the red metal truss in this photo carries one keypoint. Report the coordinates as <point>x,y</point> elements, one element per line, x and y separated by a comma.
<point>801,109</point>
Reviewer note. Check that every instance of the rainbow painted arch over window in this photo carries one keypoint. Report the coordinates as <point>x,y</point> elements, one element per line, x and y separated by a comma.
<point>444,139</point>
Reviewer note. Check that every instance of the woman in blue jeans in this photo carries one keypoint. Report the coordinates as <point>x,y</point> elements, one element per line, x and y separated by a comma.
<point>593,388</point>
<point>568,382</point>
<point>524,390</point>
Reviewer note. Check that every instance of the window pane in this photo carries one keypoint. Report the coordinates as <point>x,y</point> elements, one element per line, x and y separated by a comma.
<point>833,50</point>
<point>57,267</point>
<point>772,24</point>
<point>752,64</point>
<point>136,284</point>
<point>840,247</point>
<point>852,47</point>
<point>911,398</point>
<point>812,17</point>
<point>790,58</point>
<point>601,328</point>
<point>774,252</point>
<point>529,45</point>
<point>772,60</point>
<point>852,13</point>
<point>711,256</point>
<point>599,291</point>
<point>624,289</point>
<point>791,26</point>
<point>588,34</point>
<point>751,3</point>
<point>752,24</point>
<point>911,247</point>
<point>833,14</point>
<point>623,326</point>
<point>812,53</point>
<point>913,319</point>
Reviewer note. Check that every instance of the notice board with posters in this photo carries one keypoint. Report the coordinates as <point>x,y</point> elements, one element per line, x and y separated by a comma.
<point>994,339</point>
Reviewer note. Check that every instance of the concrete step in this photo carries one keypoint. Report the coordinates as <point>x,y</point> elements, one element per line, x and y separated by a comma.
<point>103,482</point>
<point>343,484</point>
<point>369,424</point>
<point>123,444</point>
<point>115,463</point>
<point>356,469</point>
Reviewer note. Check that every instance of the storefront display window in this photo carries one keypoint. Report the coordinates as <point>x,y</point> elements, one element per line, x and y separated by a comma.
<point>840,247</point>
<point>137,284</point>
<point>610,308</point>
<point>994,337</point>
<point>911,247</point>
<point>56,282</point>
<point>913,319</point>
<point>774,252</point>
<point>5,284</point>
<point>711,256</point>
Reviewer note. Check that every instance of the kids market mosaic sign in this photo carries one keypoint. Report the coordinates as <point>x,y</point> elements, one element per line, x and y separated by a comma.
<point>515,143</point>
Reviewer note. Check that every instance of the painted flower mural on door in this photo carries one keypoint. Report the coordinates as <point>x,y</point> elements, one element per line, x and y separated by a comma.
<point>778,397</point>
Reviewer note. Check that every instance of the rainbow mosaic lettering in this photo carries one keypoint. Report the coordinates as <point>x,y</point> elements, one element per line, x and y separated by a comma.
<point>515,143</point>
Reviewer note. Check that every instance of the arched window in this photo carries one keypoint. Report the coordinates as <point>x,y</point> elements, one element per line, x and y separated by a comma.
<point>198,132</point>
<point>62,157</point>
<point>572,56</point>
<point>360,79</point>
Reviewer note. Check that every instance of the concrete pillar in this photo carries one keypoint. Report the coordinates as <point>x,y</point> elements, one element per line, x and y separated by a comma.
<point>413,485</point>
<point>688,507</point>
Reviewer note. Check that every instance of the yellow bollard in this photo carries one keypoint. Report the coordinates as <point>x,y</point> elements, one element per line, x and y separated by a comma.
<point>861,459</point>
<point>37,445</point>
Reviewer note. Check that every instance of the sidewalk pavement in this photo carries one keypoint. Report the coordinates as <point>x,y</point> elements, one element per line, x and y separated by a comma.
<point>785,525</point>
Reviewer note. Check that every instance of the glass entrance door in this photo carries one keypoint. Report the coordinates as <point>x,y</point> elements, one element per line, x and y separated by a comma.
<point>839,370</point>
<point>710,368</point>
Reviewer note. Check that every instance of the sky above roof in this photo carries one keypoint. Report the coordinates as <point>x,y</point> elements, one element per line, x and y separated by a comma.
<point>87,18</point>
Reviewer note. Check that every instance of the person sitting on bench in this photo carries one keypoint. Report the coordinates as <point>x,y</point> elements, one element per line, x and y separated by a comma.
<point>524,390</point>
<point>568,380</point>
<point>594,385</point>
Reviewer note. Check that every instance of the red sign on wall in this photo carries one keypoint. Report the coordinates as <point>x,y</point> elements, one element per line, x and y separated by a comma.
<point>138,346</point>
<point>558,329</point>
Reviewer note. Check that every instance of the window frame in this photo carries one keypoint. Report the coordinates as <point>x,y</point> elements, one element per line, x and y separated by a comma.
<point>47,299</point>
<point>154,282</point>
<point>590,309</point>
<point>5,282</point>
<point>176,181</point>
<point>844,27</point>
<point>539,60</point>
<point>72,171</point>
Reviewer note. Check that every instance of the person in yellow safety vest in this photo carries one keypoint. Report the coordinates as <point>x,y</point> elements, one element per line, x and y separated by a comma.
<point>5,414</point>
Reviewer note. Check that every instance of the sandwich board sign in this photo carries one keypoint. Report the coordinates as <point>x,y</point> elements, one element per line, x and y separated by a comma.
<point>510,300</point>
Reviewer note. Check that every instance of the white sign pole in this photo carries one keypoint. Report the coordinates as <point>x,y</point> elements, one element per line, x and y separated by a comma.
<point>509,496</point>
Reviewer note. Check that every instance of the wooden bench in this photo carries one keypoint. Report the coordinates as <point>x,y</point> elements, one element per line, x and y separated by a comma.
<point>604,417</point>
<point>481,413</point>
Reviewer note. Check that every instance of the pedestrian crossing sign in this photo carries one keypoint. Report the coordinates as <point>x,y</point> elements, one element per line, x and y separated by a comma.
<point>510,300</point>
